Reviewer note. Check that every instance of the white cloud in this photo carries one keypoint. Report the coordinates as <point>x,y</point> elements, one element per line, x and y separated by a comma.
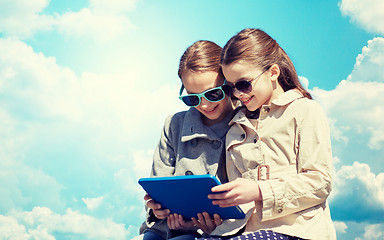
<point>369,64</point>
<point>143,163</point>
<point>93,203</point>
<point>11,229</point>
<point>23,18</point>
<point>39,81</point>
<point>34,87</point>
<point>340,227</point>
<point>22,186</point>
<point>65,138</point>
<point>91,24</point>
<point>304,82</point>
<point>113,6</point>
<point>374,232</point>
<point>102,21</point>
<point>359,230</point>
<point>368,13</point>
<point>356,187</point>
<point>42,223</point>
<point>355,109</point>
<point>355,106</point>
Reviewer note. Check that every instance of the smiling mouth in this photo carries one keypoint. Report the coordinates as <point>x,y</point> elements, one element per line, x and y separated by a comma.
<point>210,111</point>
<point>247,100</point>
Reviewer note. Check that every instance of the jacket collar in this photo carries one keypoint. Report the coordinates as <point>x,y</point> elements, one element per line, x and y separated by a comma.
<point>284,99</point>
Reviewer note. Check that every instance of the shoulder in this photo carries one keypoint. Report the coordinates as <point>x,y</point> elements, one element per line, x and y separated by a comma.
<point>307,106</point>
<point>176,116</point>
<point>183,119</point>
<point>309,112</point>
<point>191,114</point>
<point>175,119</point>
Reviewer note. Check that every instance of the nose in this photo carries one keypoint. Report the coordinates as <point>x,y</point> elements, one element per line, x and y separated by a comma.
<point>236,93</point>
<point>204,103</point>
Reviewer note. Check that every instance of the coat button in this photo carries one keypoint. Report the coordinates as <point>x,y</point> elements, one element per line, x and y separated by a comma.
<point>188,173</point>
<point>255,139</point>
<point>216,144</point>
<point>279,210</point>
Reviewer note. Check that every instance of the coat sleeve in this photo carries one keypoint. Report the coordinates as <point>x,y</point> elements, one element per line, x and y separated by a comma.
<point>164,158</point>
<point>312,183</point>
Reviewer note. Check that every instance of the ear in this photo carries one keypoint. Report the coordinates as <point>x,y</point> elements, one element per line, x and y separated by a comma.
<point>274,71</point>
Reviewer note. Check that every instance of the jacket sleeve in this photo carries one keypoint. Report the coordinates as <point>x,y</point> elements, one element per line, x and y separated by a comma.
<point>312,184</point>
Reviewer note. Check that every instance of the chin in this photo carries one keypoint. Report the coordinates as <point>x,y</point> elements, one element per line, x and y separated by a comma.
<point>251,109</point>
<point>212,117</point>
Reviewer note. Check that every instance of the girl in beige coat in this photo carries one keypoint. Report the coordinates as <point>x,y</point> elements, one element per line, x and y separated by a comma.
<point>279,159</point>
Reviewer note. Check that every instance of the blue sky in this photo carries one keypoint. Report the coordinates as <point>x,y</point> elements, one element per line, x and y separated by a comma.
<point>85,87</point>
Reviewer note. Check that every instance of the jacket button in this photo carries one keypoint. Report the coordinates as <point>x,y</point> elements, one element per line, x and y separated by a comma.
<point>280,210</point>
<point>188,173</point>
<point>216,144</point>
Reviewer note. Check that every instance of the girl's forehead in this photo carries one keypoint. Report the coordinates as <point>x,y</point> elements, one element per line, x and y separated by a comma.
<point>239,70</point>
<point>197,82</point>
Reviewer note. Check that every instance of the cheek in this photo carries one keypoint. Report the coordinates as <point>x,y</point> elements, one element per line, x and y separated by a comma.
<point>199,108</point>
<point>263,89</point>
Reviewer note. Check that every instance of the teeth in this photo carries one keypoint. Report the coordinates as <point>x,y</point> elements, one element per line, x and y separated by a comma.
<point>246,100</point>
<point>211,110</point>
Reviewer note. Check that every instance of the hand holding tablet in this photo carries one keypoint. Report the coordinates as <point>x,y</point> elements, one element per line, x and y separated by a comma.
<point>188,195</point>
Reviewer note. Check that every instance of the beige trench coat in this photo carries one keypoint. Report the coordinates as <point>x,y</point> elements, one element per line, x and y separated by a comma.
<point>287,150</point>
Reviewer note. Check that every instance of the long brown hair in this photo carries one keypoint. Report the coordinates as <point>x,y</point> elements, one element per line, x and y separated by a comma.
<point>201,56</point>
<point>258,47</point>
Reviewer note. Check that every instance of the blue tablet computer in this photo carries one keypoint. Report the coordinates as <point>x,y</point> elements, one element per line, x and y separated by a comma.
<point>187,195</point>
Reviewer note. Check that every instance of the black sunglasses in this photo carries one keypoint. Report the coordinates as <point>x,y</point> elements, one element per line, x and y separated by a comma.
<point>244,86</point>
<point>193,100</point>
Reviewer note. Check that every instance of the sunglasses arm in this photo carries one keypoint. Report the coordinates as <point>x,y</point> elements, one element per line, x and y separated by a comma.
<point>181,89</point>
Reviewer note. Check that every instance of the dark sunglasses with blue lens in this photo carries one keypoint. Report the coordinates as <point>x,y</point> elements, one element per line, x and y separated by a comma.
<point>213,95</point>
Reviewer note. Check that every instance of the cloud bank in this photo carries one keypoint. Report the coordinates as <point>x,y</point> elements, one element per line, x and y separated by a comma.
<point>41,223</point>
<point>101,21</point>
<point>74,145</point>
<point>355,109</point>
<point>368,13</point>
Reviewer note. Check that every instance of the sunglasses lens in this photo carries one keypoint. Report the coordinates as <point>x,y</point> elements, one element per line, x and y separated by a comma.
<point>214,95</point>
<point>191,101</point>
<point>244,86</point>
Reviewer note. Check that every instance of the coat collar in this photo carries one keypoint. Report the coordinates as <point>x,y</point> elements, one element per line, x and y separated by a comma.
<point>284,99</point>
<point>287,97</point>
<point>193,127</point>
